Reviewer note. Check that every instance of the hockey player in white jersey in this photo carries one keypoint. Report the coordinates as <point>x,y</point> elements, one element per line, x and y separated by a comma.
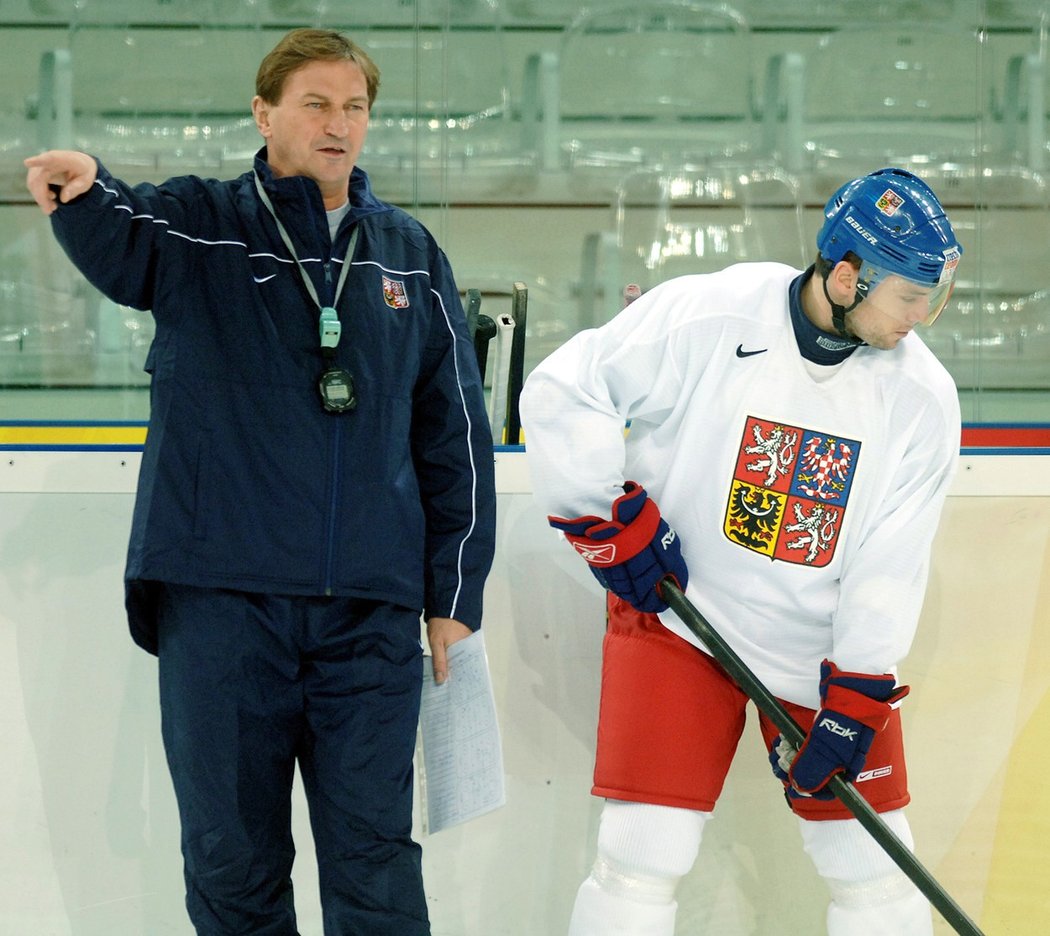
<point>801,440</point>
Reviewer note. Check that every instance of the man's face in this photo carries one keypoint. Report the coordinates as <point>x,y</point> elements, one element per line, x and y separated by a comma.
<point>318,127</point>
<point>892,309</point>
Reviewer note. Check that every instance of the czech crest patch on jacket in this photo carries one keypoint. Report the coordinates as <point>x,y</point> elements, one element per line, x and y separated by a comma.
<point>790,489</point>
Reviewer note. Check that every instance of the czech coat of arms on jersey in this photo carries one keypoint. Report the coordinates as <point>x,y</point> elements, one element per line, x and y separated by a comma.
<point>790,490</point>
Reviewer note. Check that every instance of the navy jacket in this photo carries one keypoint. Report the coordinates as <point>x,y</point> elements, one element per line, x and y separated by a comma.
<point>247,482</point>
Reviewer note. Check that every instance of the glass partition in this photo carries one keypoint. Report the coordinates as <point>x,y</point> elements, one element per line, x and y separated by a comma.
<point>572,149</point>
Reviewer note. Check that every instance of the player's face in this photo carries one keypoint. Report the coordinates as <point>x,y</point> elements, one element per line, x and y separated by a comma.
<point>319,125</point>
<point>893,309</point>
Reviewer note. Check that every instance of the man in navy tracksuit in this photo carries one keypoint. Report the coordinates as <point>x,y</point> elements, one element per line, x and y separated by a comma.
<point>318,473</point>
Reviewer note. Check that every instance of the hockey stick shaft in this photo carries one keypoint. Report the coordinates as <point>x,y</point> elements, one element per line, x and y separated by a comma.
<point>901,855</point>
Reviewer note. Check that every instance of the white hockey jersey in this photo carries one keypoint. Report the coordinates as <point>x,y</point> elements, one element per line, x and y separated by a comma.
<point>806,497</point>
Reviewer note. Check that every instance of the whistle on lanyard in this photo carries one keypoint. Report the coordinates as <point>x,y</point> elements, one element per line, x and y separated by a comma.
<point>330,327</point>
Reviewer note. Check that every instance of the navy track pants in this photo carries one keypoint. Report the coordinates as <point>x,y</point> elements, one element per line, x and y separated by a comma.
<point>250,684</point>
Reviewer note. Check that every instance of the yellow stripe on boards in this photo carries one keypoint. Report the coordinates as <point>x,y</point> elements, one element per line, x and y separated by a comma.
<point>72,435</point>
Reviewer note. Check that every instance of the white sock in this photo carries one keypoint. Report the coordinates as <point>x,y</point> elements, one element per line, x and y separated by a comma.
<point>643,851</point>
<point>870,895</point>
<point>598,912</point>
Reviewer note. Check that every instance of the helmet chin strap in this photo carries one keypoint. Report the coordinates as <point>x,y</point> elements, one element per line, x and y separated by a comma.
<point>838,312</point>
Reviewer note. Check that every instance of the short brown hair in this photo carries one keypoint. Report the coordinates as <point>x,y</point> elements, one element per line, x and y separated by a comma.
<point>824,266</point>
<point>302,46</point>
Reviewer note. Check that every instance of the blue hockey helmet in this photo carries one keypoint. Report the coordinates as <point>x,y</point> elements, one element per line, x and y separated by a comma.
<point>894,223</point>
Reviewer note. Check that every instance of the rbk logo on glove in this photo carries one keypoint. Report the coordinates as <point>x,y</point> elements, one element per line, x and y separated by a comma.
<point>835,728</point>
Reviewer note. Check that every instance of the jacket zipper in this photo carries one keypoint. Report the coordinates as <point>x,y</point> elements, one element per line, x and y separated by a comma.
<point>329,564</point>
<point>337,436</point>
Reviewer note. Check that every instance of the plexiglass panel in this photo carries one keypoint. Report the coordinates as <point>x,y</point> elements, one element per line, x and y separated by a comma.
<point>516,129</point>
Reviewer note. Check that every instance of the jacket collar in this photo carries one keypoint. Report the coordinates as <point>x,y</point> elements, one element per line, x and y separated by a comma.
<point>289,192</point>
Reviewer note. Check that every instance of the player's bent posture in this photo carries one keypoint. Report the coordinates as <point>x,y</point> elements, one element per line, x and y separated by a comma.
<point>801,439</point>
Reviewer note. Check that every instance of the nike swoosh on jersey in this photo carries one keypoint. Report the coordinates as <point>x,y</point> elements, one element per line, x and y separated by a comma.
<point>740,352</point>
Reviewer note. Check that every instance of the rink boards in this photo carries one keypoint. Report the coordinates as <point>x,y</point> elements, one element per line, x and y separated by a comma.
<point>88,830</point>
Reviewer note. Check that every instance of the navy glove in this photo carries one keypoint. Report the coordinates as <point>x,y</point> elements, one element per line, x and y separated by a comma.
<point>631,553</point>
<point>854,706</point>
